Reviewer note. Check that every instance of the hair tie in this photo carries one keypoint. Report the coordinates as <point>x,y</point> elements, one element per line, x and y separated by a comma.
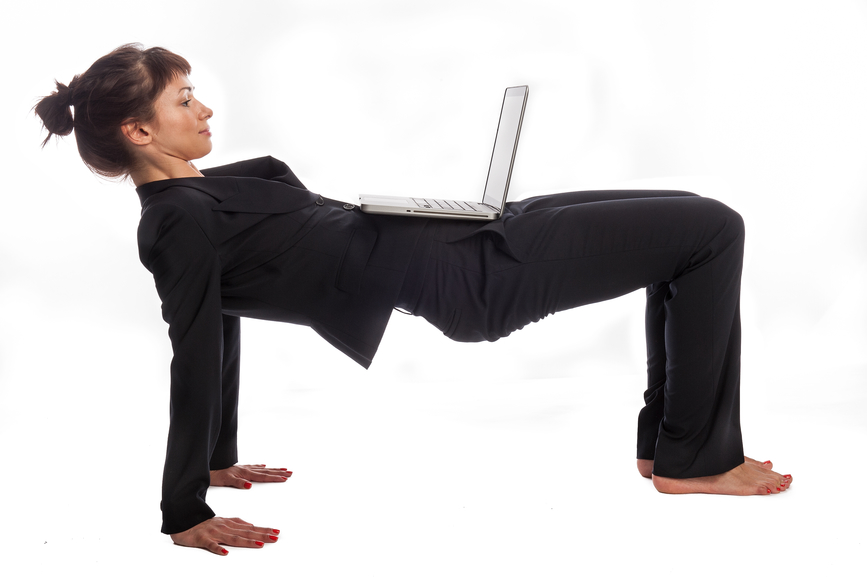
<point>64,94</point>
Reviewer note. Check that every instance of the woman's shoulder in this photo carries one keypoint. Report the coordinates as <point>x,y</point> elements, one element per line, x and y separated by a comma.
<point>180,202</point>
<point>264,167</point>
<point>173,226</point>
<point>178,191</point>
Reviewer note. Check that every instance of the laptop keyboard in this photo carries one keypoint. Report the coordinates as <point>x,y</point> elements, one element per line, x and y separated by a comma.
<point>444,204</point>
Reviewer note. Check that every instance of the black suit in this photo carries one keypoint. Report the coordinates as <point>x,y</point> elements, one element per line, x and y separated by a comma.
<point>251,241</point>
<point>256,244</point>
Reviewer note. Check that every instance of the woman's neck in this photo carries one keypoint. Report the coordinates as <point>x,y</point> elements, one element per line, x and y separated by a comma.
<point>176,169</point>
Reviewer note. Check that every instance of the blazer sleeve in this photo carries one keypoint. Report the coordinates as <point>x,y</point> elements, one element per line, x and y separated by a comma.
<point>225,453</point>
<point>186,270</point>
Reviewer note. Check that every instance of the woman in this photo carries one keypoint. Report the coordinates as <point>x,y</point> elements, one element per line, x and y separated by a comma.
<point>248,239</point>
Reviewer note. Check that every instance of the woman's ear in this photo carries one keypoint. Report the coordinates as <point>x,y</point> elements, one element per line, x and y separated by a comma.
<point>136,133</point>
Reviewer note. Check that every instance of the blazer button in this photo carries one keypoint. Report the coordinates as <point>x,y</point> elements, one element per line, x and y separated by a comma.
<point>320,201</point>
<point>348,206</point>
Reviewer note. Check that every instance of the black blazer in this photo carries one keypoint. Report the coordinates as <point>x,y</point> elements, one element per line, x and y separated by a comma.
<point>250,240</point>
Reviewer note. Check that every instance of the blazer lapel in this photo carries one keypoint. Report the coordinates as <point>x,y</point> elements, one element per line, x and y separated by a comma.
<point>259,186</point>
<point>259,196</point>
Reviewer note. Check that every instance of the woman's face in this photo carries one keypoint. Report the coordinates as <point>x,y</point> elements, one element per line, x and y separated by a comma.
<point>180,128</point>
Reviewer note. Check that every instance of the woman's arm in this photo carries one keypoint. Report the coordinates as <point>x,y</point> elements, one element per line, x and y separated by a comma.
<point>225,452</point>
<point>205,375</point>
<point>186,271</point>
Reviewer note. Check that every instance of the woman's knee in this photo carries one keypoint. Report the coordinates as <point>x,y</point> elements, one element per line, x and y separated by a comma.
<point>734,221</point>
<point>730,221</point>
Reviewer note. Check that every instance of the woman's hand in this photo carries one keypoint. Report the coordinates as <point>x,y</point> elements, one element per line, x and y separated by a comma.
<point>215,532</point>
<point>243,476</point>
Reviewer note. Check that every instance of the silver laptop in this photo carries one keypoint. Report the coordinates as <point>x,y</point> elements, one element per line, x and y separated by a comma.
<point>499,173</point>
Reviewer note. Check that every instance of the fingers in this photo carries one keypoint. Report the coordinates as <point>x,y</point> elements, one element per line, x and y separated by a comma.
<point>243,476</point>
<point>262,474</point>
<point>216,532</point>
<point>238,533</point>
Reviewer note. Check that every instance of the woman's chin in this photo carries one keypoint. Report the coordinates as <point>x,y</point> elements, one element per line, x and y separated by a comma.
<point>202,153</point>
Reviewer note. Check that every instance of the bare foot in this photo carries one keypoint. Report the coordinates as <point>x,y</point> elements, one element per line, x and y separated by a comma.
<point>645,467</point>
<point>766,464</point>
<point>750,478</point>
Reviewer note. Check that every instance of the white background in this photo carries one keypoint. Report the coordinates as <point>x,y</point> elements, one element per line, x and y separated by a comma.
<point>520,465</point>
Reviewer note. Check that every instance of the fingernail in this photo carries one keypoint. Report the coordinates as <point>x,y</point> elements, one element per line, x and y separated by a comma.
<point>769,491</point>
<point>248,485</point>
<point>260,544</point>
<point>272,537</point>
<point>275,531</point>
<point>787,476</point>
<point>766,462</point>
<point>225,552</point>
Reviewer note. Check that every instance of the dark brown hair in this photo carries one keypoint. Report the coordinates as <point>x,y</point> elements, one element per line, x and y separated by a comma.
<point>121,86</point>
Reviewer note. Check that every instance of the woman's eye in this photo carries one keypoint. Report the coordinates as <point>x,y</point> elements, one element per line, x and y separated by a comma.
<point>186,103</point>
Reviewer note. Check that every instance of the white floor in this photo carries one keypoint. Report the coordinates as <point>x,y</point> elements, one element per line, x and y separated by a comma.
<point>522,464</point>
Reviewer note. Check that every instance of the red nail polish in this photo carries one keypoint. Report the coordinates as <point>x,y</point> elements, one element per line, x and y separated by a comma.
<point>260,544</point>
<point>248,485</point>
<point>272,537</point>
<point>277,531</point>
<point>225,552</point>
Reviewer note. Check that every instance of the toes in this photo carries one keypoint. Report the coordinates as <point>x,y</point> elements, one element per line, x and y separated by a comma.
<point>780,485</point>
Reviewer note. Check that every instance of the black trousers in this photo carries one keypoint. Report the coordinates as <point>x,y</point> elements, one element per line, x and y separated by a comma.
<point>556,252</point>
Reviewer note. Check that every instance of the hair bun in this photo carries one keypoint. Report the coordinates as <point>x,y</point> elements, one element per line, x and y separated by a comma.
<point>64,93</point>
<point>54,110</point>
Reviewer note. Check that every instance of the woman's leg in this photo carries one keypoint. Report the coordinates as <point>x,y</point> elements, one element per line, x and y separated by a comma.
<point>563,251</point>
<point>651,414</point>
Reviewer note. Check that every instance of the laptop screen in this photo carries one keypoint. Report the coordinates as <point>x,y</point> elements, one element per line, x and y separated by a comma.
<point>508,130</point>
